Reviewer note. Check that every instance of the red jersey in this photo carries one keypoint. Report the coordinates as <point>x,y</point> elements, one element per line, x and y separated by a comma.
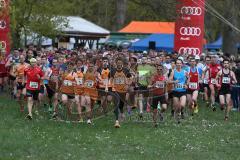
<point>213,70</point>
<point>159,85</point>
<point>193,80</point>
<point>33,81</point>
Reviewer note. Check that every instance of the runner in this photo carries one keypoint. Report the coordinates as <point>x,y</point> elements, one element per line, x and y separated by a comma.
<point>194,77</point>
<point>121,81</point>
<point>33,75</point>
<point>67,87</point>
<point>213,69</point>
<point>21,91</point>
<point>3,70</point>
<point>144,72</point>
<point>179,77</point>
<point>225,77</point>
<point>54,85</point>
<point>105,84</point>
<point>79,89</point>
<point>158,83</point>
<point>206,79</point>
<point>90,94</point>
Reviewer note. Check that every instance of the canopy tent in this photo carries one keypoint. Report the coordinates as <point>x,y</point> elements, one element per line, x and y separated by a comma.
<point>149,27</point>
<point>215,45</point>
<point>82,31</point>
<point>163,42</point>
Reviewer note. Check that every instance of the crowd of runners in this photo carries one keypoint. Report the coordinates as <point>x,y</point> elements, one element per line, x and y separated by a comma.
<point>149,81</point>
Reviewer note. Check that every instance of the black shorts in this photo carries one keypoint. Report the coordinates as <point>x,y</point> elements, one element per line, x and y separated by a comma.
<point>142,90</point>
<point>206,86</point>
<point>101,91</point>
<point>178,94</point>
<point>70,96</point>
<point>50,92</point>
<point>224,91</point>
<point>190,91</point>
<point>12,78</point>
<point>20,86</point>
<point>33,93</point>
<point>156,99</point>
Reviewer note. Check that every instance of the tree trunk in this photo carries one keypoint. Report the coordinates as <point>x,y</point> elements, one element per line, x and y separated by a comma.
<point>121,13</point>
<point>230,34</point>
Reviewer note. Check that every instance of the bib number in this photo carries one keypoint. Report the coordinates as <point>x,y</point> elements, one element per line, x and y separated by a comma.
<point>205,81</point>
<point>89,84</point>
<point>179,86</point>
<point>34,85</point>
<point>79,81</point>
<point>213,81</point>
<point>67,83</point>
<point>193,85</point>
<point>119,80</point>
<point>160,84</point>
<point>226,80</point>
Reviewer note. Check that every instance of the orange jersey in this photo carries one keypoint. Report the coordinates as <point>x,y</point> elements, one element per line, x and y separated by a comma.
<point>90,85</point>
<point>104,81</point>
<point>67,86</point>
<point>78,88</point>
<point>119,82</point>
<point>19,71</point>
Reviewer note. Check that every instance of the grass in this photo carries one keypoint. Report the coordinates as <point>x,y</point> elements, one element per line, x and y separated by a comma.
<point>207,136</point>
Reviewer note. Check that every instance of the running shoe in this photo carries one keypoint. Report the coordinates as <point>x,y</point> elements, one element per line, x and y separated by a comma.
<point>89,121</point>
<point>117,125</point>
<point>161,117</point>
<point>29,117</point>
<point>195,111</point>
<point>213,107</point>
<point>80,120</point>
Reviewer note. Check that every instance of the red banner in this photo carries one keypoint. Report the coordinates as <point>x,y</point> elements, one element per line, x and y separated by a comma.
<point>4,26</point>
<point>189,27</point>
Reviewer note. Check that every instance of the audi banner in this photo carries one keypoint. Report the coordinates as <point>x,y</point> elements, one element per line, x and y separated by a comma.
<point>4,26</point>
<point>189,27</point>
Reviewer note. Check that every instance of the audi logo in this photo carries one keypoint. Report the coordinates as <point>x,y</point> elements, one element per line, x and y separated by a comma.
<point>189,50</point>
<point>3,45</point>
<point>190,31</point>
<point>2,4</point>
<point>188,10</point>
<point>3,24</point>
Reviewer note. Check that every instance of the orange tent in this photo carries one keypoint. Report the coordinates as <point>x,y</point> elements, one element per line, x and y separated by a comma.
<point>149,27</point>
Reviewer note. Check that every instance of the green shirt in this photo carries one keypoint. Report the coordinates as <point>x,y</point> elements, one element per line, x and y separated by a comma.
<point>144,73</point>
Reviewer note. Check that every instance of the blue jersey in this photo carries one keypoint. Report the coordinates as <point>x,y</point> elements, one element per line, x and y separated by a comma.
<point>181,77</point>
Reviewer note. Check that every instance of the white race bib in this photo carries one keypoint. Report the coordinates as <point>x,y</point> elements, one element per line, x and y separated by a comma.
<point>105,82</point>
<point>160,84</point>
<point>89,83</point>
<point>213,81</point>
<point>226,80</point>
<point>33,85</point>
<point>205,81</point>
<point>79,81</point>
<point>193,85</point>
<point>119,80</point>
<point>179,86</point>
<point>67,83</point>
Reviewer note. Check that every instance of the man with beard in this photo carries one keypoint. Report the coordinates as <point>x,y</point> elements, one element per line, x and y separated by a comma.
<point>120,81</point>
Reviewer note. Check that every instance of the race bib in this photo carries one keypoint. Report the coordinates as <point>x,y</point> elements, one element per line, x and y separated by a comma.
<point>67,83</point>
<point>193,85</point>
<point>119,80</point>
<point>205,81</point>
<point>226,80</point>
<point>79,81</point>
<point>179,86</point>
<point>89,84</point>
<point>105,82</point>
<point>213,81</point>
<point>160,84</point>
<point>33,85</point>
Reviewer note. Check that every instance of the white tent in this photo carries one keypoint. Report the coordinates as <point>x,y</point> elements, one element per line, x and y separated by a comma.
<point>80,25</point>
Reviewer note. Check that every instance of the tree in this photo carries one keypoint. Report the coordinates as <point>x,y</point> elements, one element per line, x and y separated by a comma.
<point>38,16</point>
